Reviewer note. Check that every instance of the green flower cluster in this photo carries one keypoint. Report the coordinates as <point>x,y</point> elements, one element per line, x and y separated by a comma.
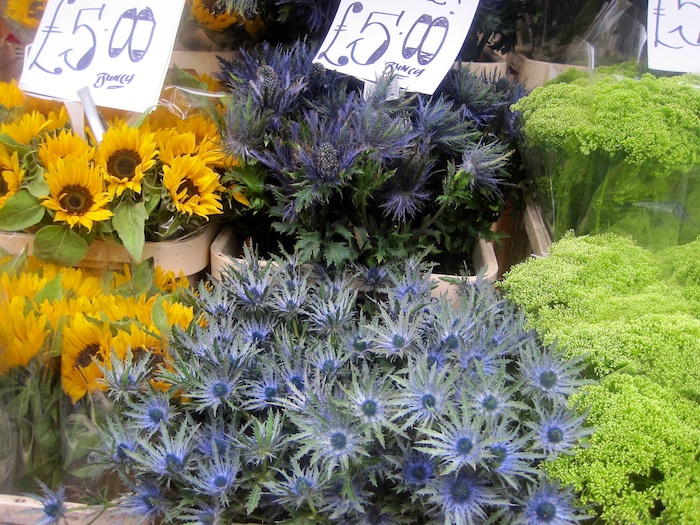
<point>635,318</point>
<point>612,153</point>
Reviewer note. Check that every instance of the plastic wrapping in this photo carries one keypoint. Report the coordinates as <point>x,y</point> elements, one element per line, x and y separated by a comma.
<point>617,154</point>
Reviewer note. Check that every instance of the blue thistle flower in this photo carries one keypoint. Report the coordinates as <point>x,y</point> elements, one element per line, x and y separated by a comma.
<point>456,440</point>
<point>263,439</point>
<point>439,126</point>
<point>260,393</point>
<point>418,470</point>
<point>53,504</point>
<point>557,430</point>
<point>548,372</point>
<point>148,412</point>
<point>146,501</point>
<point>395,334</point>
<point>493,396</point>
<point>424,393</point>
<point>462,498</point>
<point>407,191</point>
<point>548,504</point>
<point>328,442</point>
<point>302,486</point>
<point>331,310</point>
<point>200,515</point>
<point>382,135</point>
<point>257,330</point>
<point>509,457</point>
<point>118,442</point>
<point>170,455</point>
<point>327,359</point>
<point>125,377</point>
<point>486,165</point>
<point>214,437</point>
<point>250,281</point>
<point>216,476</point>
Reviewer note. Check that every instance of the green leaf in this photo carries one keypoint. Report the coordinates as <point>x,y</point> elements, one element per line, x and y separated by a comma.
<point>129,220</point>
<point>253,499</point>
<point>335,253</point>
<point>52,291</point>
<point>59,245</point>
<point>309,246</point>
<point>21,211</point>
<point>159,317</point>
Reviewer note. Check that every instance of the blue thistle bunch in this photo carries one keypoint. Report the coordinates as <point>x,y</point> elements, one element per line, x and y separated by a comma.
<point>352,408</point>
<point>347,175</point>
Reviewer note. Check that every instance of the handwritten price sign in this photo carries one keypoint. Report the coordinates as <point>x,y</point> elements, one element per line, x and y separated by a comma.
<point>418,40</point>
<point>674,35</point>
<point>118,49</point>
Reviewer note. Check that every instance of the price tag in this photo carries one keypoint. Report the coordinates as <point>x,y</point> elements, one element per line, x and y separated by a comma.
<point>674,35</point>
<point>418,40</point>
<point>119,49</point>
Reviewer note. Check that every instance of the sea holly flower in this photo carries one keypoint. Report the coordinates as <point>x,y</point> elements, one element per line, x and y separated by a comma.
<point>54,509</point>
<point>457,440</point>
<point>461,498</point>
<point>556,430</point>
<point>548,504</point>
<point>146,501</point>
<point>300,486</point>
<point>548,374</point>
<point>171,456</point>
<point>216,476</point>
<point>149,411</point>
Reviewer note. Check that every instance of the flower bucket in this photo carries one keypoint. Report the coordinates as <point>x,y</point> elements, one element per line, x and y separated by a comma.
<point>533,73</point>
<point>189,254</point>
<point>226,247</point>
<point>18,510</point>
<point>200,61</point>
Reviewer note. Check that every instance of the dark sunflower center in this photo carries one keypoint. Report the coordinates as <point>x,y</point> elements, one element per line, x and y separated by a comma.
<point>85,356</point>
<point>189,187</point>
<point>122,163</point>
<point>76,200</point>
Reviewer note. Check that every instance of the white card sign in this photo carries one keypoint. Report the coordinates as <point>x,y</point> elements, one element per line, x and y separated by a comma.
<point>119,49</point>
<point>673,27</point>
<point>418,40</point>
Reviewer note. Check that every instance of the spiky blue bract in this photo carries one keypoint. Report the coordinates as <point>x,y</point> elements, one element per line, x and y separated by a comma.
<point>462,498</point>
<point>149,411</point>
<point>557,430</point>
<point>145,502</point>
<point>548,504</point>
<point>53,504</point>
<point>298,486</point>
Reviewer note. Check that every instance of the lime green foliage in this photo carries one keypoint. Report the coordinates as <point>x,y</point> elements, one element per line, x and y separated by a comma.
<point>636,318</point>
<point>640,465</point>
<point>617,154</point>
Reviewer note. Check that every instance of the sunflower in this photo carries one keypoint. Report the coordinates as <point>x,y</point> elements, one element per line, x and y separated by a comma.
<point>22,284</point>
<point>62,145</point>
<point>178,143</point>
<point>211,19</point>
<point>178,314</point>
<point>12,101</point>
<point>31,125</point>
<point>85,345</point>
<point>11,175</point>
<point>139,308</point>
<point>202,126</point>
<point>193,187</point>
<point>76,192</point>
<point>141,342</point>
<point>168,282</point>
<point>22,335</point>
<point>27,13</point>
<point>125,154</point>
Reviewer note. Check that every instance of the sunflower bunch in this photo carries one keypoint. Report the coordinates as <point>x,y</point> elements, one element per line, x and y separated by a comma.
<point>159,179</point>
<point>61,329</point>
<point>208,25</point>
